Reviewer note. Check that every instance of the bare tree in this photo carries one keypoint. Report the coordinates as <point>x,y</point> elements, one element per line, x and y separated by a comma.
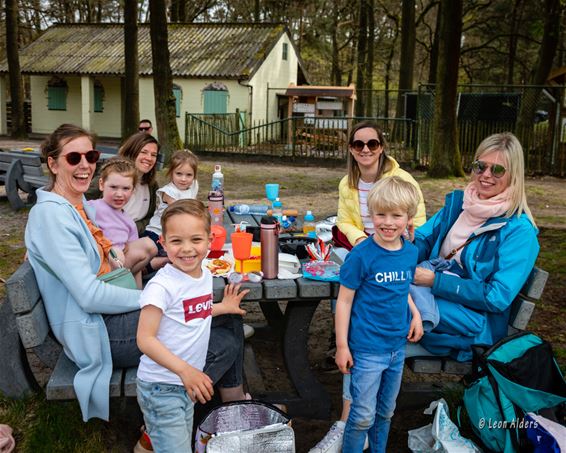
<point>361,62</point>
<point>407,62</point>
<point>131,80</point>
<point>16,85</point>
<point>445,157</point>
<point>163,79</point>
<point>540,73</point>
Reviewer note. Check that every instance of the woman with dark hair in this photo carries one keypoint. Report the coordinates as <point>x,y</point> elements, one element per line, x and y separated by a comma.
<point>94,321</point>
<point>143,150</point>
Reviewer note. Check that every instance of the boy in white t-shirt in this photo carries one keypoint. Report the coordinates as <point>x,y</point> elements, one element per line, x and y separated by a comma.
<point>174,328</point>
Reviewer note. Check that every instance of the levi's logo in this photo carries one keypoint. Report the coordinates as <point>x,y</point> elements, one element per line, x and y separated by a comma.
<point>198,307</point>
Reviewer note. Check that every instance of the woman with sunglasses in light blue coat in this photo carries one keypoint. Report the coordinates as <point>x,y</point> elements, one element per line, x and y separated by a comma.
<point>479,250</point>
<point>95,322</point>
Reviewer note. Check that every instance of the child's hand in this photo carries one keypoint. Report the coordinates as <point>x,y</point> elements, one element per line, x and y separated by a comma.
<point>344,359</point>
<point>410,231</point>
<point>415,329</point>
<point>197,384</point>
<point>231,300</point>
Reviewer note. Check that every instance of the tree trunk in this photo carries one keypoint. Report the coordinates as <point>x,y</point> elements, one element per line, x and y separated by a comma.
<point>433,64</point>
<point>336,73</point>
<point>445,155</point>
<point>513,40</point>
<point>362,52</point>
<point>369,60</point>
<point>16,85</point>
<point>131,80</point>
<point>407,62</point>
<point>163,80</point>
<point>539,76</point>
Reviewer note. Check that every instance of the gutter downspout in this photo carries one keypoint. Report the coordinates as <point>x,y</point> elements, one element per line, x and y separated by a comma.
<point>250,102</point>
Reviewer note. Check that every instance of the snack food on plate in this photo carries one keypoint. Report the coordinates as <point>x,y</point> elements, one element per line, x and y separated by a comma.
<point>219,266</point>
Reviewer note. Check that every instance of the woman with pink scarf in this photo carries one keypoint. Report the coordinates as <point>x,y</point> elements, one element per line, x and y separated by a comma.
<point>476,253</point>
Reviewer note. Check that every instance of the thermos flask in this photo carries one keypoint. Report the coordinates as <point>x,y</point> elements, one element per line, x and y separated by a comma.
<point>269,238</point>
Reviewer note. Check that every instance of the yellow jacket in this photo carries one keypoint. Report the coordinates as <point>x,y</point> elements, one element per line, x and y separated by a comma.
<point>349,219</point>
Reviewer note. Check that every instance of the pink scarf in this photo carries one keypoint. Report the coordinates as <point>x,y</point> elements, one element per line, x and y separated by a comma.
<point>475,213</point>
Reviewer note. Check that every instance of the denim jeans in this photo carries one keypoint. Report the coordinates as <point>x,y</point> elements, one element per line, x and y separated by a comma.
<point>168,416</point>
<point>225,355</point>
<point>122,330</point>
<point>376,380</point>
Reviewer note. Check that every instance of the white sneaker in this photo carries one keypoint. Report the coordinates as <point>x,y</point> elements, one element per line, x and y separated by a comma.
<point>332,442</point>
<point>248,331</point>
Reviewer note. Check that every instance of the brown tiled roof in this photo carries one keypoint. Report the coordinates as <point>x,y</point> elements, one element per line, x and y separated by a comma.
<point>233,51</point>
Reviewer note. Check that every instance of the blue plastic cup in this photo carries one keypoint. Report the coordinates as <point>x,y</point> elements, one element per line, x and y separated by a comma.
<point>272,191</point>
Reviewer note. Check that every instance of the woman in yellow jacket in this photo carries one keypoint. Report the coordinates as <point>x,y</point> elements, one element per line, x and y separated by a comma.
<point>367,163</point>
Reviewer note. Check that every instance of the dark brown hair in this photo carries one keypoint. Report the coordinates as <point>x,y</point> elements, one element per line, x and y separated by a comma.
<point>192,207</point>
<point>132,148</point>
<point>353,168</point>
<point>54,142</point>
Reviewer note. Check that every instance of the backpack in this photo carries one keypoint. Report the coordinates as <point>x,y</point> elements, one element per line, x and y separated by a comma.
<point>516,375</point>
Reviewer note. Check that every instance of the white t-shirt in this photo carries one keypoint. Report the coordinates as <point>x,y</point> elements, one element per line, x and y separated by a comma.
<point>363,192</point>
<point>137,206</point>
<point>171,190</point>
<point>186,303</point>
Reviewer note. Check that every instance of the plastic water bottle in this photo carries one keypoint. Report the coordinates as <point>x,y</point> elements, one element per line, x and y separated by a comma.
<point>277,209</point>
<point>309,226</point>
<point>217,179</point>
<point>257,209</point>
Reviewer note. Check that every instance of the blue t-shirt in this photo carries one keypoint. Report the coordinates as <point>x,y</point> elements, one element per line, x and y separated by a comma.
<point>380,317</point>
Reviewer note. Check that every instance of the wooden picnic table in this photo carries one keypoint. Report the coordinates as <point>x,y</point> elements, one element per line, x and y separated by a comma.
<point>291,329</point>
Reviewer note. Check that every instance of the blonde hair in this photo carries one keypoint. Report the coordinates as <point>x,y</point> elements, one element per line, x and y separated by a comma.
<point>180,157</point>
<point>352,164</point>
<point>192,207</point>
<point>393,193</point>
<point>507,144</point>
<point>124,167</point>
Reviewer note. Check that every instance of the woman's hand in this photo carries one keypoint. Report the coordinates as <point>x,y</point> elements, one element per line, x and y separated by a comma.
<point>423,277</point>
<point>344,359</point>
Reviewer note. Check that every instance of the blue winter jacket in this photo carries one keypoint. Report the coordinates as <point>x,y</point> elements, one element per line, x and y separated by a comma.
<point>496,264</point>
<point>57,238</point>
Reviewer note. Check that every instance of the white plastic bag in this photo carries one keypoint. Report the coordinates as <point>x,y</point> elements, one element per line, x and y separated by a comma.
<point>441,436</point>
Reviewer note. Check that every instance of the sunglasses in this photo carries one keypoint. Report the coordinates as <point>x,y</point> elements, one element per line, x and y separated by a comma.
<point>359,145</point>
<point>144,129</point>
<point>75,157</point>
<point>479,167</point>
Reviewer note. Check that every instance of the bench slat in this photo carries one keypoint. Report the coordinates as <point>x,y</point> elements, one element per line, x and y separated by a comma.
<point>521,313</point>
<point>22,289</point>
<point>535,284</point>
<point>33,327</point>
<point>425,365</point>
<point>33,160</point>
<point>60,385</point>
<point>130,382</point>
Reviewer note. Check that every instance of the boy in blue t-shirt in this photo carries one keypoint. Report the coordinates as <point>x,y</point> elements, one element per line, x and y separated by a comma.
<point>375,314</point>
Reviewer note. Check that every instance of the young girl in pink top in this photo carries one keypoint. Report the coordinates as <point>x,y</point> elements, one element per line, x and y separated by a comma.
<point>118,178</point>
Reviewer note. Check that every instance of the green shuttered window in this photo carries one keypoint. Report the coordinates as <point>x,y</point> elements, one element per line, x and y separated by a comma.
<point>215,101</point>
<point>178,93</point>
<point>57,97</point>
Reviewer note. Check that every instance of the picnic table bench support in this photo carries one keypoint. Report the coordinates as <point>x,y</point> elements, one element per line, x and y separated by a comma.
<point>314,399</point>
<point>16,377</point>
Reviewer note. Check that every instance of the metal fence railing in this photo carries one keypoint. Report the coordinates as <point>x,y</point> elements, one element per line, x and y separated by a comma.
<point>481,111</point>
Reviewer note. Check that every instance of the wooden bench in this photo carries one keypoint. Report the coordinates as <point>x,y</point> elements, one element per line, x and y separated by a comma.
<point>21,171</point>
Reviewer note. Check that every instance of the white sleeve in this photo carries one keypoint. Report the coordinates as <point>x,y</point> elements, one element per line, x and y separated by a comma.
<point>169,189</point>
<point>154,294</point>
